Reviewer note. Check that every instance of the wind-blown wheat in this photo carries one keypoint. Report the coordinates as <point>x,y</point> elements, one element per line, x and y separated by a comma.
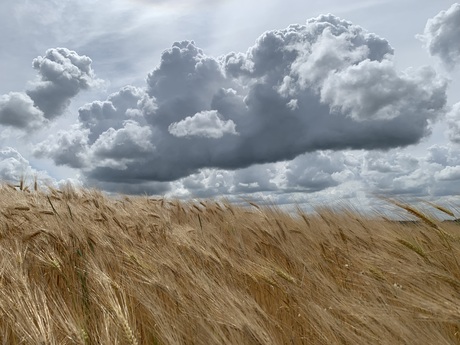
<point>77,267</point>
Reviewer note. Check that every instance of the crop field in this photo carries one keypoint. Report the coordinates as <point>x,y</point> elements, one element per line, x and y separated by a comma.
<point>78,267</point>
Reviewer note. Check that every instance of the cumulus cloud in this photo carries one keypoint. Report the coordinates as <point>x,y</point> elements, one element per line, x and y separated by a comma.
<point>12,165</point>
<point>14,168</point>
<point>374,90</point>
<point>400,173</point>
<point>62,75</point>
<point>17,110</point>
<point>332,177</point>
<point>443,155</point>
<point>449,173</point>
<point>453,122</point>
<point>441,36</point>
<point>206,124</point>
<point>314,171</point>
<point>325,85</point>
<point>66,147</point>
<point>99,116</point>
<point>116,148</point>
<point>257,178</point>
<point>394,172</point>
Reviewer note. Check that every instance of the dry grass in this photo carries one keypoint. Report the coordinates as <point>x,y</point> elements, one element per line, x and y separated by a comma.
<point>80,268</point>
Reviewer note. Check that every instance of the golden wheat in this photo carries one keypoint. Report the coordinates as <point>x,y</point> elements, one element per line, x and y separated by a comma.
<point>77,267</point>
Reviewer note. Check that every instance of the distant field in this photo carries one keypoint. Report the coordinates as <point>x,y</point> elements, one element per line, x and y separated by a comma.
<point>77,267</point>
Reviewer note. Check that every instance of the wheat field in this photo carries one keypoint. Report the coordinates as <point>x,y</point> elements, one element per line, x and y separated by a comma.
<point>78,267</point>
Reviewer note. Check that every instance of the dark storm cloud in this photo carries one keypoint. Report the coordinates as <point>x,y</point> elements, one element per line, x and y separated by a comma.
<point>62,75</point>
<point>442,36</point>
<point>326,85</point>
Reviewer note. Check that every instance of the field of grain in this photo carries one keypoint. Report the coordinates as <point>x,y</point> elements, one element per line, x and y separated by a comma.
<point>77,267</point>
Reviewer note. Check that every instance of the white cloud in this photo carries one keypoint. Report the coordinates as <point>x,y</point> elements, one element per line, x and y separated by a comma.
<point>453,122</point>
<point>14,168</point>
<point>66,147</point>
<point>441,36</point>
<point>116,148</point>
<point>99,116</point>
<point>372,90</point>
<point>208,124</point>
<point>63,74</point>
<point>449,173</point>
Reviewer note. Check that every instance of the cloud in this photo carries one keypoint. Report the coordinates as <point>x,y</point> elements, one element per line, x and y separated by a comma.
<point>400,173</point>
<point>449,173</point>
<point>453,122</point>
<point>65,148</point>
<point>211,183</point>
<point>374,90</point>
<point>17,110</point>
<point>314,172</point>
<point>256,178</point>
<point>14,168</point>
<point>99,116</point>
<point>325,85</point>
<point>317,178</point>
<point>328,177</point>
<point>395,173</point>
<point>208,124</point>
<point>12,165</point>
<point>441,36</point>
<point>62,75</point>
<point>124,186</point>
<point>117,148</point>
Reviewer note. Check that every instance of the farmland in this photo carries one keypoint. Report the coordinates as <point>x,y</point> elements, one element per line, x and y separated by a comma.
<point>79,267</point>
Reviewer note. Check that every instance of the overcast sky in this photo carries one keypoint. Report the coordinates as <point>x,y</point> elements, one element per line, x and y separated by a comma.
<point>290,101</point>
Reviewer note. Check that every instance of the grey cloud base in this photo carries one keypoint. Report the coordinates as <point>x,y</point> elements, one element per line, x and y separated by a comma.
<point>325,85</point>
<point>17,110</point>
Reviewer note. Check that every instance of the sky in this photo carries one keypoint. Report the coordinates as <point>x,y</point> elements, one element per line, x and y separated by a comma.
<point>287,102</point>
